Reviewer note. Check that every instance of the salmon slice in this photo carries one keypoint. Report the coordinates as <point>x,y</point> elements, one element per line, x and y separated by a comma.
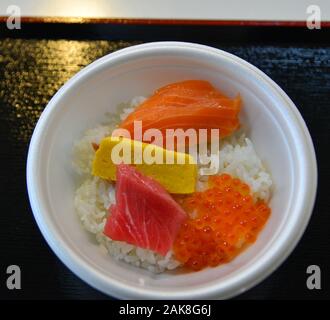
<point>145,214</point>
<point>188,104</point>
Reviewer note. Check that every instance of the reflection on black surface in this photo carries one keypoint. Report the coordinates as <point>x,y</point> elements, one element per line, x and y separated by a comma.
<point>32,71</point>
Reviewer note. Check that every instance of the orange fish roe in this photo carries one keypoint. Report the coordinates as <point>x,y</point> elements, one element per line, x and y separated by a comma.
<point>224,220</point>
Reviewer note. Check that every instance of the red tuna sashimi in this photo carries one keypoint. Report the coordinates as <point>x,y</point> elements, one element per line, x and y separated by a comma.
<point>145,214</point>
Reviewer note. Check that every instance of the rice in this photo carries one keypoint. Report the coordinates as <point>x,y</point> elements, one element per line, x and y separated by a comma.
<point>83,151</point>
<point>236,157</point>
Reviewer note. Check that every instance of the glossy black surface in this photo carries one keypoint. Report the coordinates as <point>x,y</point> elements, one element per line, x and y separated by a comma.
<point>33,67</point>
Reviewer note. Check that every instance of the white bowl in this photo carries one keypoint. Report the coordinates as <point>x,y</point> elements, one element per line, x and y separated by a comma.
<point>274,125</point>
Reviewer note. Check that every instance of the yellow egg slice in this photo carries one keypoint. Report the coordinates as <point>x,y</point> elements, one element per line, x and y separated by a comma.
<point>175,171</point>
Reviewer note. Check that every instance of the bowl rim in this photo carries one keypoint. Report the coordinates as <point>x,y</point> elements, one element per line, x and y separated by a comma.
<point>109,286</point>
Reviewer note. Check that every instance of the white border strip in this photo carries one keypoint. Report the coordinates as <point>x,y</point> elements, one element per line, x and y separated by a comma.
<point>246,10</point>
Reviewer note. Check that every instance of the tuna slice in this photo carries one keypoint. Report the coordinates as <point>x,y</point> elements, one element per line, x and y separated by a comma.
<point>145,214</point>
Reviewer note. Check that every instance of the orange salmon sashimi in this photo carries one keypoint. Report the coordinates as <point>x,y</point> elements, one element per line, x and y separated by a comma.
<point>192,104</point>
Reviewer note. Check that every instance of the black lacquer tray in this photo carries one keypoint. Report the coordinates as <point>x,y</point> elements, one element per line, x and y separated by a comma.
<point>36,60</point>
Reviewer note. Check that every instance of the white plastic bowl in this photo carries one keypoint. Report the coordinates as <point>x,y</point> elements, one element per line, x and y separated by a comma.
<point>274,125</point>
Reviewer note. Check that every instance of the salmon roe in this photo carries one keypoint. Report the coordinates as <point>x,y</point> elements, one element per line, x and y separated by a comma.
<point>224,219</point>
